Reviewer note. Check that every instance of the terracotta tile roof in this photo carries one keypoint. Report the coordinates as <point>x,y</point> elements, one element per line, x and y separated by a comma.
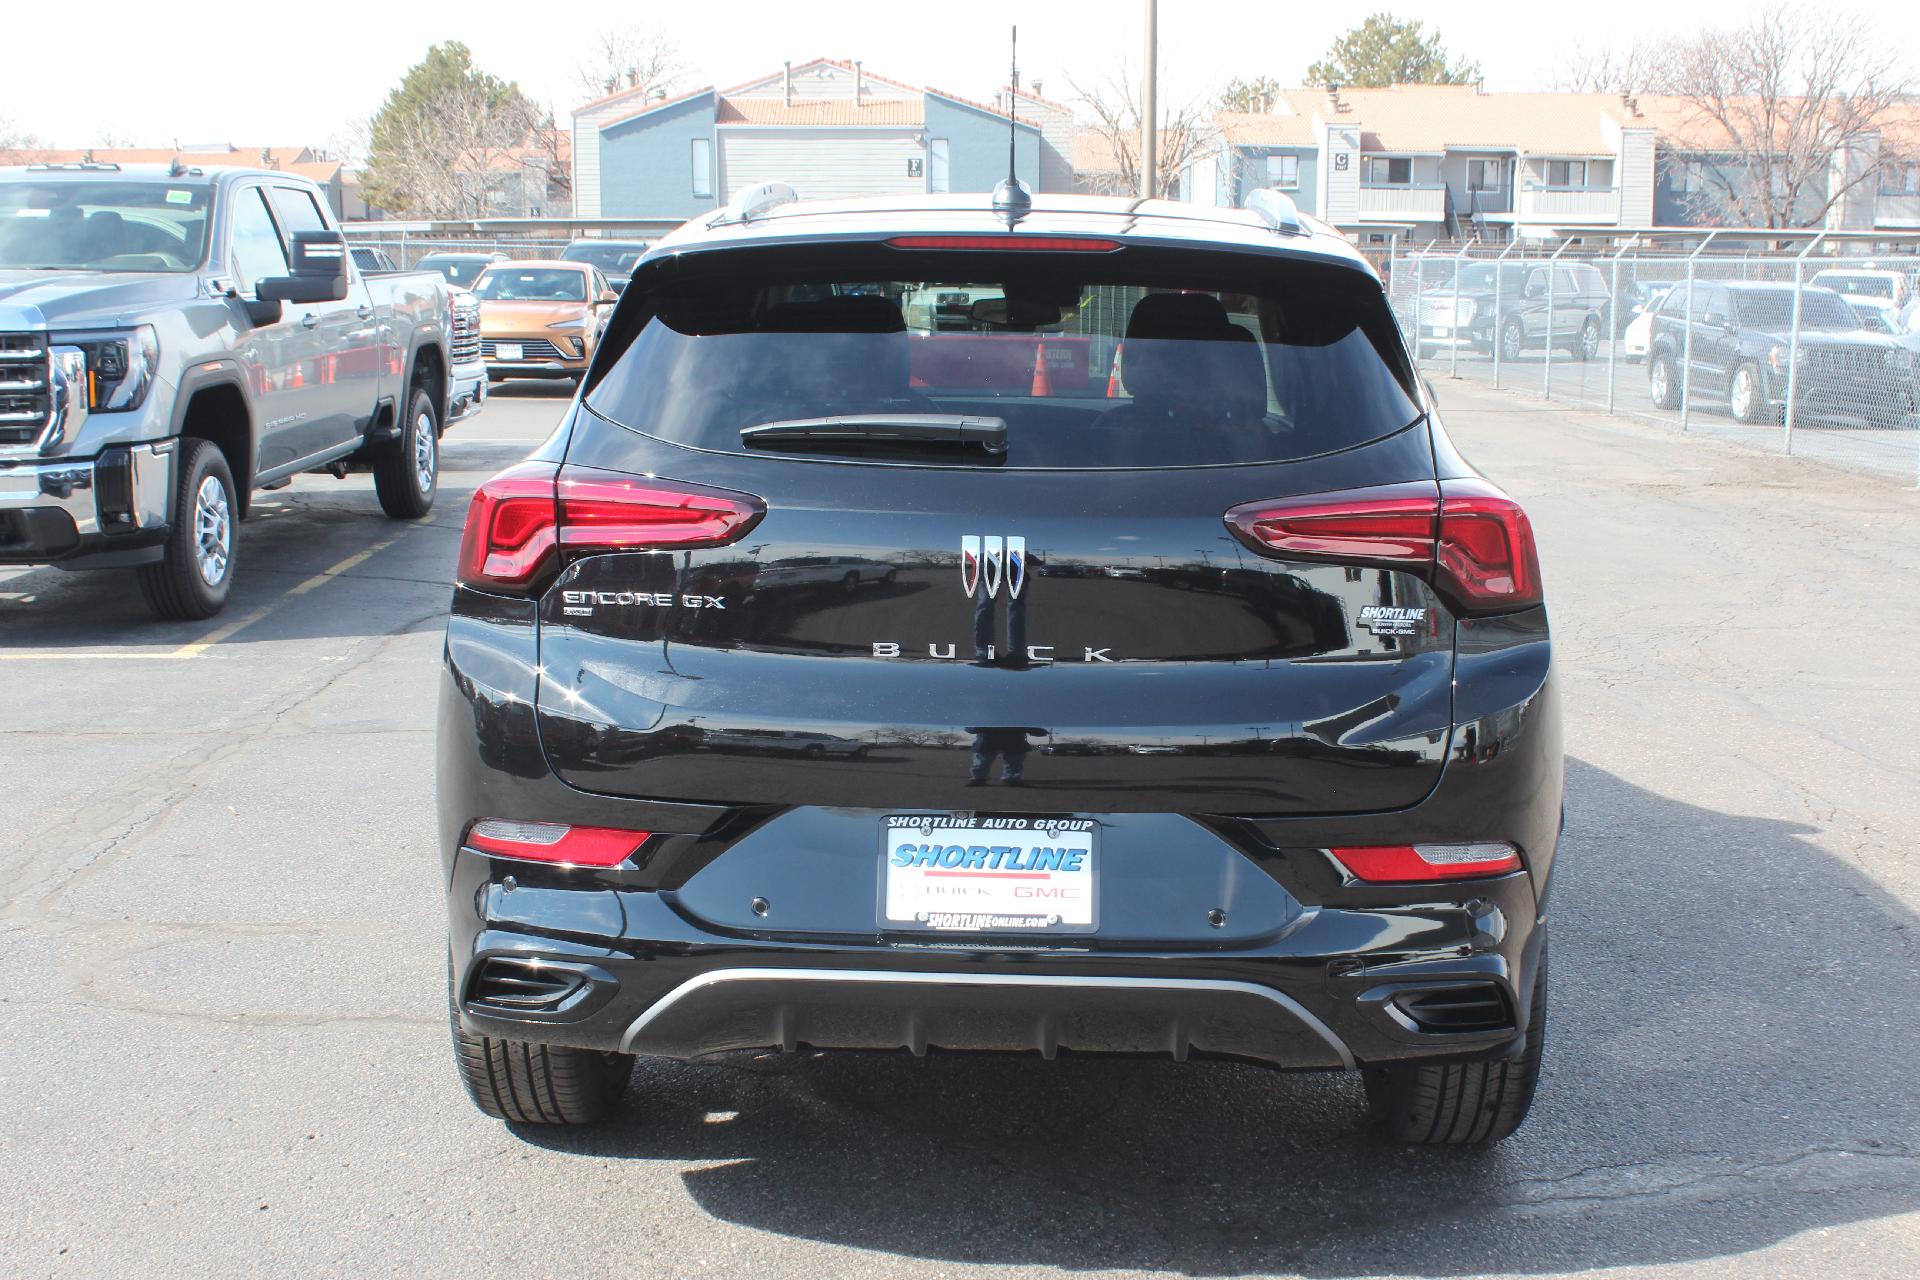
<point>1262,129</point>
<point>641,110</point>
<point>1684,126</point>
<point>820,111</point>
<point>1433,117</point>
<point>238,158</point>
<point>1025,122</point>
<point>800,67</point>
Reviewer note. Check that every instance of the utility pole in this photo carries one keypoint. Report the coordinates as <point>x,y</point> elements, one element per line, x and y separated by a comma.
<point>1150,109</point>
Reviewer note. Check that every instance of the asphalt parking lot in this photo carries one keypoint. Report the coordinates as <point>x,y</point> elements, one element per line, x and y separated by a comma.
<point>223,1043</point>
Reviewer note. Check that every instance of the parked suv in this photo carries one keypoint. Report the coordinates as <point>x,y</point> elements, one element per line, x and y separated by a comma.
<point>1743,351</point>
<point>1513,307</point>
<point>1210,717</point>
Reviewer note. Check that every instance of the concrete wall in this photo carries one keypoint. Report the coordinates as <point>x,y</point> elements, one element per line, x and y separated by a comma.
<point>646,164</point>
<point>977,145</point>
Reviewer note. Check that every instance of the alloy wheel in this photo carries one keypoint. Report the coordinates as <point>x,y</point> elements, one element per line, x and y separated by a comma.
<point>212,531</point>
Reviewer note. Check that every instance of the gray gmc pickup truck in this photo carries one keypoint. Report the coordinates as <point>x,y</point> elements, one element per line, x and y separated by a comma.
<point>173,340</point>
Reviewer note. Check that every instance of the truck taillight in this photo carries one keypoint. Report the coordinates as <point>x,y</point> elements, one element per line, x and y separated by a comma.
<point>526,520</point>
<point>1476,540</point>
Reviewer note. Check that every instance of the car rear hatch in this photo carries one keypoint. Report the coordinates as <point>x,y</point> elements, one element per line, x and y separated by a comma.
<point>1207,588</point>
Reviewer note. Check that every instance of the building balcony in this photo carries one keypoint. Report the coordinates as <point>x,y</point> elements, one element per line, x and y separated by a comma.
<point>1404,203</point>
<point>1564,206</point>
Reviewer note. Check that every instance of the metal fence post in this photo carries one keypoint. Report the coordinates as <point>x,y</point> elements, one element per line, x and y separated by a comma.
<point>1613,326</point>
<point>1419,296</point>
<point>1455,330</point>
<point>1499,307</point>
<point>1553,271</point>
<point>1793,344</point>
<point>1686,344</point>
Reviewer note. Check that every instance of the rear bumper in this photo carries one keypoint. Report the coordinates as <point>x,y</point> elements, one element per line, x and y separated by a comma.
<point>630,971</point>
<point>89,512</point>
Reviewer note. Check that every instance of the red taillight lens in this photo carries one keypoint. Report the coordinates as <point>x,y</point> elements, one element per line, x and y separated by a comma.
<point>1009,242</point>
<point>512,529</point>
<point>555,842</point>
<point>1391,524</point>
<point>1486,546</point>
<point>1476,537</point>
<point>606,510</point>
<point>1414,863</point>
<point>522,519</point>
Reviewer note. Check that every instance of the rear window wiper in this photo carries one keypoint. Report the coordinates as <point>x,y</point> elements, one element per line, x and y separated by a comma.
<point>962,429</point>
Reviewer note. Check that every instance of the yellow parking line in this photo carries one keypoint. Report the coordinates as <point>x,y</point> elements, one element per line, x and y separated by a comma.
<point>319,579</point>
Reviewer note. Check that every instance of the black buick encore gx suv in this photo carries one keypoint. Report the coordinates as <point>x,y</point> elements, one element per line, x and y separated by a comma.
<point>964,623</point>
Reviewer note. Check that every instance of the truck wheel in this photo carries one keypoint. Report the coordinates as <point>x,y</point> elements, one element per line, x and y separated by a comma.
<point>523,1082</point>
<point>1464,1103</point>
<point>407,475</point>
<point>1511,341</point>
<point>1746,399</point>
<point>1588,348</point>
<point>195,571</point>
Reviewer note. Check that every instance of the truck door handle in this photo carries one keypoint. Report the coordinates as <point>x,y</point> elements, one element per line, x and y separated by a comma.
<point>309,320</point>
<point>365,313</point>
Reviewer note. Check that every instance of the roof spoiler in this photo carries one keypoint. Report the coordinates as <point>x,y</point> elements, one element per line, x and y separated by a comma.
<point>1277,210</point>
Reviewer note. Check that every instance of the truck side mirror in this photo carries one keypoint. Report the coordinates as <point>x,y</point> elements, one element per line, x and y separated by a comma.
<point>319,271</point>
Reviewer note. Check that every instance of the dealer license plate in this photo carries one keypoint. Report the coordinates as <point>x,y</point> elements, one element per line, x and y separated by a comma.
<point>970,873</point>
<point>507,350</point>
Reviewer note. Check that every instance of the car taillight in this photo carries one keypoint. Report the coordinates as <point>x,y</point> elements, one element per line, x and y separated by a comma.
<point>555,842</point>
<point>1414,863</point>
<point>523,520</point>
<point>1477,538</point>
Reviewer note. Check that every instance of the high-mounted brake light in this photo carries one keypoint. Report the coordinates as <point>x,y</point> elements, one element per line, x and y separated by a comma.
<point>1414,863</point>
<point>525,519</point>
<point>1008,243</point>
<point>555,842</point>
<point>1475,539</point>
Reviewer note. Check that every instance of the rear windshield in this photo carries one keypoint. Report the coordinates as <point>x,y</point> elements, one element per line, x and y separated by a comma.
<point>614,259</point>
<point>459,270</point>
<point>1868,286</point>
<point>104,226</point>
<point>532,284</point>
<point>1137,358</point>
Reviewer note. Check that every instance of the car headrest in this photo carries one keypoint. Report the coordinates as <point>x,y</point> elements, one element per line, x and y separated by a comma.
<point>1192,316</point>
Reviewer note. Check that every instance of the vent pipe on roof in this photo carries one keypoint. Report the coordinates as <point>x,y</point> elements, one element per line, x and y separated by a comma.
<point>1037,86</point>
<point>859,82</point>
<point>787,82</point>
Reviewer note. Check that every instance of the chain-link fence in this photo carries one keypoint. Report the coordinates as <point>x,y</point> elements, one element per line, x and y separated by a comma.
<point>1805,347</point>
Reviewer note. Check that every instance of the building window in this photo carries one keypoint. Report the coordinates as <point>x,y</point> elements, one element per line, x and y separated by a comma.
<point>937,166</point>
<point>1566,173</point>
<point>1283,172</point>
<point>1692,178</point>
<point>1901,180</point>
<point>1388,171</point>
<point>1485,175</point>
<point>703,167</point>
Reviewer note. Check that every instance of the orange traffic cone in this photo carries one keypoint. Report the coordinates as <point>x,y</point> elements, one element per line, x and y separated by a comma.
<point>1114,390</point>
<point>1042,379</point>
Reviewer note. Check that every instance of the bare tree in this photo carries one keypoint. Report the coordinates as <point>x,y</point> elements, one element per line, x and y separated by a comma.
<point>1783,116</point>
<point>628,58</point>
<point>450,160</point>
<point>1114,105</point>
<point>14,137</point>
<point>1617,69</point>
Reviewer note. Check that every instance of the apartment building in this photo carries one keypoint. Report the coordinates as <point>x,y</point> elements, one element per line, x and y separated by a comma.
<point>830,127</point>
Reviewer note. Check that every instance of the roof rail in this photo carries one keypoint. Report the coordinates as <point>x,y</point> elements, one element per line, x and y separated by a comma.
<point>80,165</point>
<point>753,202</point>
<point>1277,210</point>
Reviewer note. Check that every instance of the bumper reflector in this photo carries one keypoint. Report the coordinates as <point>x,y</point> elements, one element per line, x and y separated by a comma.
<point>555,842</point>
<point>1412,863</point>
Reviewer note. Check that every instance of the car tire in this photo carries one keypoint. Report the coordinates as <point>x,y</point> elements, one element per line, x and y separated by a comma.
<point>1663,384</point>
<point>406,475</point>
<point>194,575</point>
<point>1512,341</point>
<point>526,1082</point>
<point>1746,398</point>
<point>1588,347</point>
<point>1463,1104</point>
